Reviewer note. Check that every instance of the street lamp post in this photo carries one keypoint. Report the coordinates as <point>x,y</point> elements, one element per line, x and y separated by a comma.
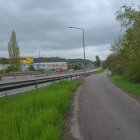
<point>39,56</point>
<point>83,44</point>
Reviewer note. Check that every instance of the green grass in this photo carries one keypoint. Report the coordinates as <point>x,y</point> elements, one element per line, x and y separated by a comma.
<point>129,86</point>
<point>99,71</point>
<point>37,114</point>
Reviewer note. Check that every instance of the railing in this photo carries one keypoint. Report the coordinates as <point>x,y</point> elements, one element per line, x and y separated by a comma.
<point>35,82</point>
<point>18,74</point>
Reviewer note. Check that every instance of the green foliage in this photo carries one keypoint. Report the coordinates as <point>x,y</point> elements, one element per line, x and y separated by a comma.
<point>8,69</point>
<point>99,71</point>
<point>129,86</point>
<point>98,61</point>
<point>37,114</point>
<point>127,16</point>
<point>116,64</point>
<point>14,54</point>
<point>126,50</point>
<point>4,60</point>
<point>77,66</point>
<point>31,68</point>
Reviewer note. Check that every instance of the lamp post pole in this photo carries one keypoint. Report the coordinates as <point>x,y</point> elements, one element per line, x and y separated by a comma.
<point>83,31</point>
<point>39,56</point>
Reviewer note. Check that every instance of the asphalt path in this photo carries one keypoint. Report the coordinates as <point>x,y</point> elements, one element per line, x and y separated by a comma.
<point>107,112</point>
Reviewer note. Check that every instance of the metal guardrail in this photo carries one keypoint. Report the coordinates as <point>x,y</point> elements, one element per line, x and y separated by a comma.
<point>35,82</point>
<point>32,74</point>
<point>18,74</point>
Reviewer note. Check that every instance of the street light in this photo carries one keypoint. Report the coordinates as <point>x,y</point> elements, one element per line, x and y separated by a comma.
<point>83,45</point>
<point>39,55</point>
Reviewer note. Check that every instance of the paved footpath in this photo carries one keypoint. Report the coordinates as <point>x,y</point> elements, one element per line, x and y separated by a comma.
<point>106,112</point>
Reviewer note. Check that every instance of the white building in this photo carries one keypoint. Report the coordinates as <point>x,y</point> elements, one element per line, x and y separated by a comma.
<point>47,66</point>
<point>51,66</point>
<point>39,66</point>
<point>24,67</point>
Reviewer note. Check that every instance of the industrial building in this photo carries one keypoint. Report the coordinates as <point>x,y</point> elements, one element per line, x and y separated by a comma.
<point>47,66</point>
<point>51,66</point>
<point>25,62</point>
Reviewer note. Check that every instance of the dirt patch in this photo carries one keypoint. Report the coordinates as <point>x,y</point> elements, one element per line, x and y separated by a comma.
<point>72,129</point>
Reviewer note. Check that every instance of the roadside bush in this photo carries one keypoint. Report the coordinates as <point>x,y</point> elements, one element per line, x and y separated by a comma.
<point>31,68</point>
<point>9,69</point>
<point>132,74</point>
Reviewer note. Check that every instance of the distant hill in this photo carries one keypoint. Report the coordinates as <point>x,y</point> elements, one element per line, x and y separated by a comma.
<point>58,59</point>
<point>50,59</point>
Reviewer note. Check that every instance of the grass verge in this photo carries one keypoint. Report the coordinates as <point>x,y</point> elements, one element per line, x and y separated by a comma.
<point>129,86</point>
<point>37,114</point>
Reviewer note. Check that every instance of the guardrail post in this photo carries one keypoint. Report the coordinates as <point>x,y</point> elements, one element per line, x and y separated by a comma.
<point>36,84</point>
<point>71,77</point>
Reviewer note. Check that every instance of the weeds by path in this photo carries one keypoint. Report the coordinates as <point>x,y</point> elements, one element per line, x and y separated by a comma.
<point>37,114</point>
<point>129,86</point>
<point>99,71</point>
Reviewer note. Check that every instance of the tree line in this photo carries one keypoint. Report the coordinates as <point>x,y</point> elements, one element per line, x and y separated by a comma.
<point>125,57</point>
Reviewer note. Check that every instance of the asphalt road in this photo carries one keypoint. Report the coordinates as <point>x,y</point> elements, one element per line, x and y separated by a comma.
<point>106,112</point>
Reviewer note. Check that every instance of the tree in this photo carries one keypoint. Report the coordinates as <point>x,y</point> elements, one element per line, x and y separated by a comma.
<point>116,64</point>
<point>77,67</point>
<point>125,57</point>
<point>31,68</point>
<point>8,69</point>
<point>117,45</point>
<point>98,61</point>
<point>129,17</point>
<point>4,60</point>
<point>14,53</point>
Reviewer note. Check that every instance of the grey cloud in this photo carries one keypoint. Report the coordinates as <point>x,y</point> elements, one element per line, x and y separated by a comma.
<point>44,24</point>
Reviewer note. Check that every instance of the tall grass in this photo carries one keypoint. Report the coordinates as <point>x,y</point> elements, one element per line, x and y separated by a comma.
<point>37,114</point>
<point>134,88</point>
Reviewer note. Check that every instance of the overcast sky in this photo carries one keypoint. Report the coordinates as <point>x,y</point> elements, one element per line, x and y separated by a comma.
<point>43,24</point>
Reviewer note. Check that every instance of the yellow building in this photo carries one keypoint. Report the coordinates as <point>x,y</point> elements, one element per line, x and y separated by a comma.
<point>26,60</point>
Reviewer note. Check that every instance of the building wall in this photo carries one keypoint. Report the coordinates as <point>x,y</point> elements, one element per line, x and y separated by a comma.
<point>51,65</point>
<point>43,66</point>
<point>26,60</point>
<point>24,67</point>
